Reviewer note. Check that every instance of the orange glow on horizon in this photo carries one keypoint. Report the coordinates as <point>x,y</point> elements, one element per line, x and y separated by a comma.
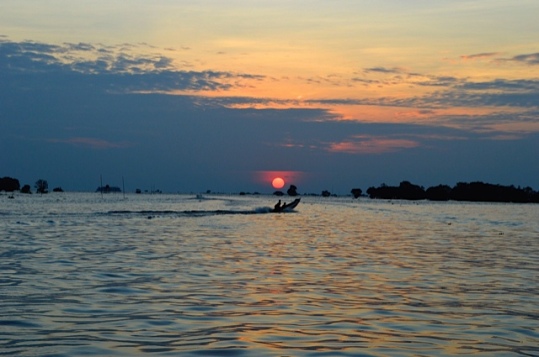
<point>269,177</point>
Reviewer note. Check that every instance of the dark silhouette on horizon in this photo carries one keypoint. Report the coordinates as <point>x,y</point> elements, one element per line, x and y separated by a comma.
<point>356,192</point>
<point>292,191</point>
<point>108,189</point>
<point>476,191</point>
<point>42,186</point>
<point>9,184</point>
<point>472,192</point>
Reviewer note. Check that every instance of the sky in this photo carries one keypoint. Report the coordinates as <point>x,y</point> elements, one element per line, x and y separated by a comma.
<point>190,96</point>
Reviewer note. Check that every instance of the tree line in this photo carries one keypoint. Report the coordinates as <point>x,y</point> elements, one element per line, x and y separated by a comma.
<point>10,184</point>
<point>463,191</point>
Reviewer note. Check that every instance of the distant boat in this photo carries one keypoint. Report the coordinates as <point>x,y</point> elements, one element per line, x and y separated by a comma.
<point>286,207</point>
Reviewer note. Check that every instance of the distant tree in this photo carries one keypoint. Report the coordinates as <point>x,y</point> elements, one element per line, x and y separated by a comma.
<point>486,192</point>
<point>383,192</point>
<point>409,191</point>
<point>463,191</point>
<point>438,193</point>
<point>9,184</point>
<point>42,186</point>
<point>405,191</point>
<point>292,191</point>
<point>356,192</point>
<point>57,189</point>
<point>109,189</point>
<point>278,193</point>
<point>326,193</point>
<point>26,189</point>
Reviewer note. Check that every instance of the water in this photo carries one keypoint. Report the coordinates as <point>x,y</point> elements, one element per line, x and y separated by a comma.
<point>170,275</point>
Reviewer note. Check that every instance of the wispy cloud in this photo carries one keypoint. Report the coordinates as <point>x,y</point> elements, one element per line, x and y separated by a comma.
<point>393,70</point>
<point>496,57</point>
<point>364,144</point>
<point>505,137</point>
<point>92,143</point>
<point>397,76</point>
<point>531,59</point>
<point>480,56</point>
<point>80,46</point>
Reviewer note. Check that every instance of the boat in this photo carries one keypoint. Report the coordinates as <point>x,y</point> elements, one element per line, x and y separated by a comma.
<point>287,207</point>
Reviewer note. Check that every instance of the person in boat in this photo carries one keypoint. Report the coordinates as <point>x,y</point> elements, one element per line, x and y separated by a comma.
<point>277,207</point>
<point>281,208</point>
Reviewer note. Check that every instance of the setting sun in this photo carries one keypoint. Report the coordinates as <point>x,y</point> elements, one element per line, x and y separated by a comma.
<point>278,178</point>
<point>277,182</point>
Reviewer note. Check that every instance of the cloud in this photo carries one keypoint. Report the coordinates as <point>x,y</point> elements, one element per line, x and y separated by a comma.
<point>80,46</point>
<point>504,137</point>
<point>394,70</point>
<point>364,144</point>
<point>122,66</point>
<point>454,92</point>
<point>365,81</point>
<point>515,94</point>
<point>437,81</point>
<point>397,76</point>
<point>92,143</point>
<point>447,101</point>
<point>499,85</point>
<point>530,59</point>
<point>479,56</point>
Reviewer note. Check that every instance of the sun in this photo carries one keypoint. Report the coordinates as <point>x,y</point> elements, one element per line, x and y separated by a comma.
<point>277,182</point>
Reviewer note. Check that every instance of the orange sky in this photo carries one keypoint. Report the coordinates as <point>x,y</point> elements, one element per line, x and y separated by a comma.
<point>311,50</point>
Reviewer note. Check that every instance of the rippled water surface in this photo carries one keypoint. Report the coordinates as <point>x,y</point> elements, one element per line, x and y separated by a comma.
<point>82,274</point>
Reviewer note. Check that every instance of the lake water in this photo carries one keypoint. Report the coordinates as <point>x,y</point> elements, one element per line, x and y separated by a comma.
<point>82,274</point>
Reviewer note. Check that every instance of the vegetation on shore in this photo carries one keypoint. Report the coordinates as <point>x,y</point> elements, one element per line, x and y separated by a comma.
<point>462,191</point>
<point>10,184</point>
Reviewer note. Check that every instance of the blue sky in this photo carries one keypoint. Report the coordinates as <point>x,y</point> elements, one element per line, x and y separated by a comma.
<point>187,96</point>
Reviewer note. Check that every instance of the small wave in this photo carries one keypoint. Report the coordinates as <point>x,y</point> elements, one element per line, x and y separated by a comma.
<point>18,323</point>
<point>191,213</point>
<point>18,252</point>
